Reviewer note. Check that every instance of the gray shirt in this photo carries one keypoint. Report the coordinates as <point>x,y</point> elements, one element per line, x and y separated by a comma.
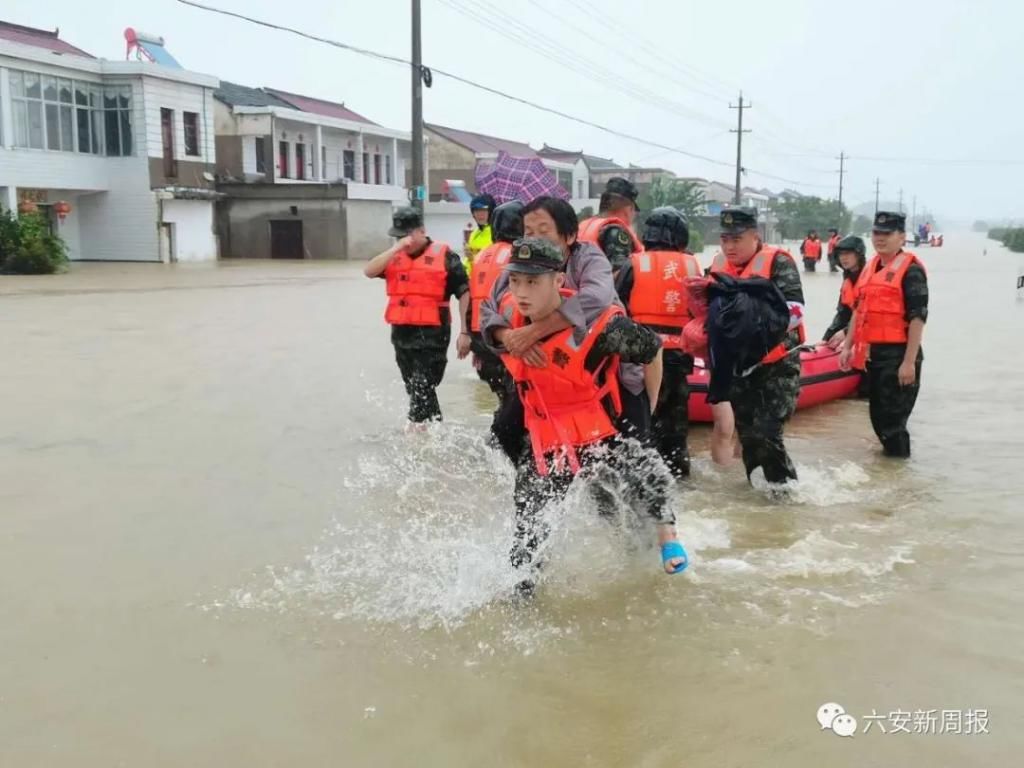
<point>587,272</point>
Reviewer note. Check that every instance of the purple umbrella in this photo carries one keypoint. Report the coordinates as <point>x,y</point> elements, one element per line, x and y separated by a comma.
<point>517,178</point>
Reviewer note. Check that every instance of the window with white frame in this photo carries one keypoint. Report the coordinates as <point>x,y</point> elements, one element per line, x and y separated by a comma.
<point>67,115</point>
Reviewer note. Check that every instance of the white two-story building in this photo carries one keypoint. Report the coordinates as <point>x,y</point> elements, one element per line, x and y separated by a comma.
<point>128,144</point>
<point>303,177</point>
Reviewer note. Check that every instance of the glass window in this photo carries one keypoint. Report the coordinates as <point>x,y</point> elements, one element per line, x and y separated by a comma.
<point>95,98</point>
<point>17,84</point>
<point>113,135</point>
<point>84,130</point>
<point>191,122</point>
<point>261,157</point>
<point>126,133</point>
<point>387,169</point>
<point>52,127</point>
<point>81,95</point>
<point>32,87</point>
<point>20,124</point>
<point>64,87</point>
<point>67,129</point>
<point>35,124</point>
<point>109,100</point>
<point>348,159</point>
<point>97,132</point>
<point>50,88</point>
<point>125,98</point>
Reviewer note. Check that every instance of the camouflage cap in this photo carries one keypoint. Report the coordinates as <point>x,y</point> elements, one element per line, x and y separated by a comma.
<point>734,221</point>
<point>853,244</point>
<point>617,185</point>
<point>404,220</point>
<point>889,221</point>
<point>535,256</point>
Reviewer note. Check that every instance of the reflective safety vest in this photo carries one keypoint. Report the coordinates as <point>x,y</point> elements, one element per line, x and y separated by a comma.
<point>881,309</point>
<point>565,406</point>
<point>591,229</point>
<point>488,265</point>
<point>659,298</point>
<point>759,266</point>
<point>478,240</point>
<point>416,287</point>
<point>812,249</point>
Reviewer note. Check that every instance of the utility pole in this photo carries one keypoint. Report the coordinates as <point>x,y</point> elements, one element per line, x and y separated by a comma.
<point>417,108</point>
<point>901,199</point>
<point>739,145</point>
<point>913,216</point>
<point>878,182</point>
<point>839,220</point>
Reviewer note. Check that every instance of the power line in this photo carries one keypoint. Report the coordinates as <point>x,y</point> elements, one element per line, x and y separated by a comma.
<point>511,28</point>
<point>490,90</point>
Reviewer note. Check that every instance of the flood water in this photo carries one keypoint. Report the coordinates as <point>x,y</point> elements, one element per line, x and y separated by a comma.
<point>218,547</point>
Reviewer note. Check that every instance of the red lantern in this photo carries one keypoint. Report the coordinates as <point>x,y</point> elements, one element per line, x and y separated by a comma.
<point>62,209</point>
<point>27,207</point>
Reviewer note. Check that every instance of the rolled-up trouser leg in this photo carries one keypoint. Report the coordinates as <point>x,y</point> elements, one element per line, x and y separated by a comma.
<point>762,403</point>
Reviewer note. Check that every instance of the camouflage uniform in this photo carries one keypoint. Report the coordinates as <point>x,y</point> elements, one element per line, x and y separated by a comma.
<point>618,467</point>
<point>764,399</point>
<point>421,351</point>
<point>616,244</point>
<point>890,402</point>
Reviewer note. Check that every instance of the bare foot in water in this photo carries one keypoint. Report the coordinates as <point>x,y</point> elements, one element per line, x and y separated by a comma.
<point>723,450</point>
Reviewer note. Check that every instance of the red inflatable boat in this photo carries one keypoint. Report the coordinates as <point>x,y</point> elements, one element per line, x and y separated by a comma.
<point>820,381</point>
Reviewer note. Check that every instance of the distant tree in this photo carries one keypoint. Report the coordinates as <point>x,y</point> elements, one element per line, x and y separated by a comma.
<point>979,226</point>
<point>861,224</point>
<point>797,216</point>
<point>684,196</point>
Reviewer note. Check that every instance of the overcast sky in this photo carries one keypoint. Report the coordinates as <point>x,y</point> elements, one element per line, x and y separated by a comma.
<point>924,95</point>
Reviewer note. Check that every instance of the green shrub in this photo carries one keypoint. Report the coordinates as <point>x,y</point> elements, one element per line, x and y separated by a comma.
<point>27,247</point>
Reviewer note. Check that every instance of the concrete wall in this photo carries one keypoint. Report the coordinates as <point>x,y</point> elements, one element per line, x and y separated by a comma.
<point>189,174</point>
<point>366,228</point>
<point>244,226</point>
<point>120,224</point>
<point>194,239</point>
<point>230,156</point>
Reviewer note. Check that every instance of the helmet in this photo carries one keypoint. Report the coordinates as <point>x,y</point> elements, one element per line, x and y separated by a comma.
<point>404,220</point>
<point>483,201</point>
<point>666,227</point>
<point>852,243</point>
<point>507,221</point>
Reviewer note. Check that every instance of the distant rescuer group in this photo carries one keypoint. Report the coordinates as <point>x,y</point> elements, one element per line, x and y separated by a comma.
<point>586,333</point>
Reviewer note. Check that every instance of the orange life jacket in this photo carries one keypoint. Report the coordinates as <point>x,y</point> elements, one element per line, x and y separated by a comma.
<point>881,309</point>
<point>848,298</point>
<point>416,287</point>
<point>812,249</point>
<point>488,265</point>
<point>564,404</point>
<point>591,229</point>
<point>659,298</point>
<point>833,242</point>
<point>759,266</point>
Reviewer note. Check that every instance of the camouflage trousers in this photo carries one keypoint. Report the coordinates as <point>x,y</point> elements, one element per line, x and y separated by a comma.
<point>671,421</point>
<point>890,404</point>
<point>762,402</point>
<point>422,370</point>
<point>621,472</point>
